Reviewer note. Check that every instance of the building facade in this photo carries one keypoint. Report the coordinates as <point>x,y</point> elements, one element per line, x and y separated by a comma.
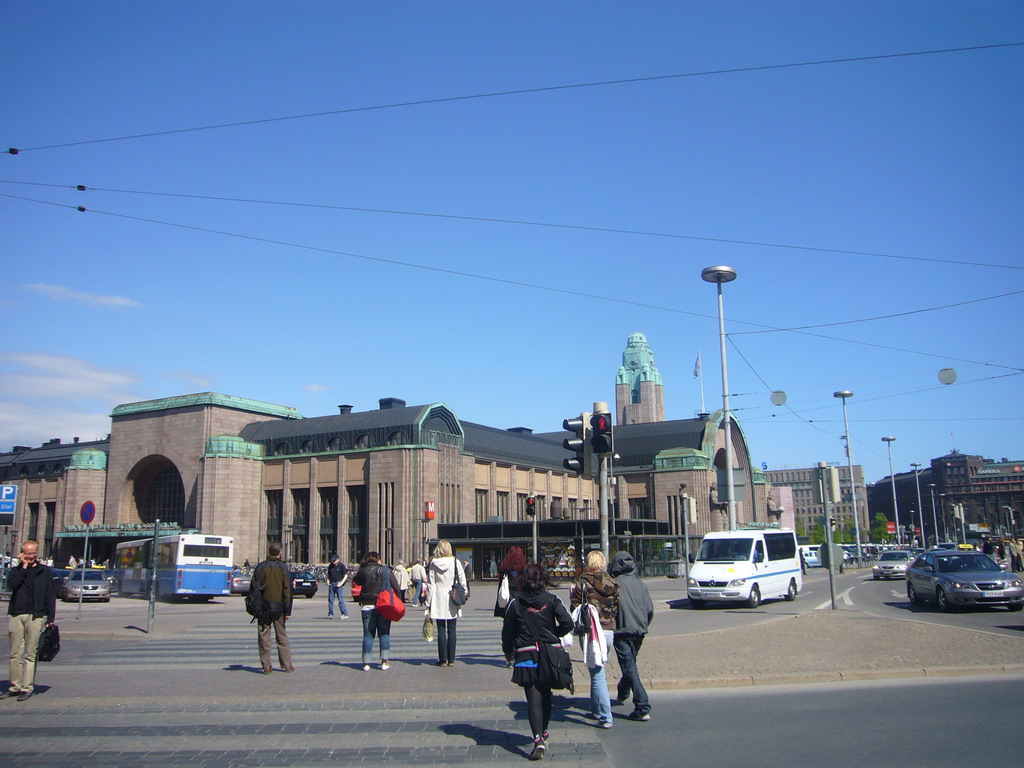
<point>807,512</point>
<point>639,391</point>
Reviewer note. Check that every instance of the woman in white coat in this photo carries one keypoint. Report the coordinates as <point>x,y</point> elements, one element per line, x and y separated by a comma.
<point>442,573</point>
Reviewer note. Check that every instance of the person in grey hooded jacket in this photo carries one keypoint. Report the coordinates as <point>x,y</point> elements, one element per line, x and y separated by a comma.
<point>636,609</point>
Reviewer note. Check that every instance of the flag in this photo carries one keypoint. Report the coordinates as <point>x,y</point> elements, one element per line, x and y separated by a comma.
<point>696,366</point>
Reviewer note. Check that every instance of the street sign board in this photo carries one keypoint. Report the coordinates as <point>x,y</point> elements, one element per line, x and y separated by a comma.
<point>890,527</point>
<point>88,512</point>
<point>8,502</point>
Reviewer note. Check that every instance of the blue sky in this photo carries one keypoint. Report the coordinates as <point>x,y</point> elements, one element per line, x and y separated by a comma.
<point>917,157</point>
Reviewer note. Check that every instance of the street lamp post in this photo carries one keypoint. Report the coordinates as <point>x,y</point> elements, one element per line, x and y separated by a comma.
<point>920,511</point>
<point>935,519</point>
<point>719,275</point>
<point>843,394</point>
<point>895,505</point>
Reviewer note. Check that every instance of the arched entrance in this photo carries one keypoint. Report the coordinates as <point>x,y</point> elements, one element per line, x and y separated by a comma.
<point>155,491</point>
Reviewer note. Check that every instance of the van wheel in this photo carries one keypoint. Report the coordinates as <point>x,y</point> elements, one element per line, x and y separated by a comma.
<point>791,592</point>
<point>755,597</point>
<point>697,603</point>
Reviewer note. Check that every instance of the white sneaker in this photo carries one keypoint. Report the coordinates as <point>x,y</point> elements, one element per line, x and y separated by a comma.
<point>366,667</point>
<point>384,666</point>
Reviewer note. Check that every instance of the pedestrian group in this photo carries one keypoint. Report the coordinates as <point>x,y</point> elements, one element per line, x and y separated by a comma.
<point>610,611</point>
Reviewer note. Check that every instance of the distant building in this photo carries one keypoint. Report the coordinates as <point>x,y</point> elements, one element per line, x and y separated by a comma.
<point>990,492</point>
<point>807,513</point>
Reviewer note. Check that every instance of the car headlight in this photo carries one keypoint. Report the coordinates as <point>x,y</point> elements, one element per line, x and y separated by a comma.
<point>1014,583</point>
<point>691,582</point>
<point>961,585</point>
<point>876,568</point>
<point>737,582</point>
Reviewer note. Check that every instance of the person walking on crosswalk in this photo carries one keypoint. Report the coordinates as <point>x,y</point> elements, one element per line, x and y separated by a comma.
<point>273,578</point>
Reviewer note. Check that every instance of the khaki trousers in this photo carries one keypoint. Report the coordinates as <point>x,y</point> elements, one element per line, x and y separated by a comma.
<point>23,633</point>
<point>284,651</point>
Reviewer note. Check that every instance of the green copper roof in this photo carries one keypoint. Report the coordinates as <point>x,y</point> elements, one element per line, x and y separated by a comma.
<point>232,446</point>
<point>206,398</point>
<point>89,458</point>
<point>637,363</point>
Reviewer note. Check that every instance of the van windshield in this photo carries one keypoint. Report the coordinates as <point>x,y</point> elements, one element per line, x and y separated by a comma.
<point>727,550</point>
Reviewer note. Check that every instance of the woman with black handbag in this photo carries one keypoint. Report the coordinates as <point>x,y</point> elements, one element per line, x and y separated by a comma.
<point>447,591</point>
<point>534,617</point>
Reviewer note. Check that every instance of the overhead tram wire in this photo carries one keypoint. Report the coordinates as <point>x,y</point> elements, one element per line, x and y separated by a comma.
<point>524,91</point>
<point>521,222</point>
<point>460,273</point>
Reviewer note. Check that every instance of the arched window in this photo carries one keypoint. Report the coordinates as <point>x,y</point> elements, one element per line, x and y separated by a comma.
<point>282,449</point>
<point>363,441</point>
<point>335,444</point>
<point>396,438</point>
<point>308,446</point>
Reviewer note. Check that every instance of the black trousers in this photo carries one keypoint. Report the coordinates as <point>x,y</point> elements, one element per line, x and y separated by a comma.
<point>445,639</point>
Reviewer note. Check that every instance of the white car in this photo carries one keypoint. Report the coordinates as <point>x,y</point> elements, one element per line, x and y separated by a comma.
<point>891,565</point>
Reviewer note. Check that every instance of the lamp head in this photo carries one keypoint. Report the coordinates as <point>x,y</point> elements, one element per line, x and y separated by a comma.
<point>889,439</point>
<point>721,274</point>
<point>843,393</point>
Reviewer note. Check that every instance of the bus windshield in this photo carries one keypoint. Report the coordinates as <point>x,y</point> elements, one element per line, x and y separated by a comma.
<point>725,550</point>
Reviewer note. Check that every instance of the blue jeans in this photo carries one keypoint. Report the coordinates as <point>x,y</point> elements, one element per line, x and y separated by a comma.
<point>627,648</point>
<point>417,588</point>
<point>375,625</point>
<point>600,701</point>
<point>336,592</point>
<point>445,639</point>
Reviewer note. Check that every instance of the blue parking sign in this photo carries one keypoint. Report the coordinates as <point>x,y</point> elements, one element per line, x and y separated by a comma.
<point>8,500</point>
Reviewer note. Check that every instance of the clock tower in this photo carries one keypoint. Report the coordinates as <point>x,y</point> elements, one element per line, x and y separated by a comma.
<point>639,394</point>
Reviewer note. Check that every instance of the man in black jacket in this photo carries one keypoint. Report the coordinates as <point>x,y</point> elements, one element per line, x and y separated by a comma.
<point>33,606</point>
<point>337,575</point>
<point>636,609</point>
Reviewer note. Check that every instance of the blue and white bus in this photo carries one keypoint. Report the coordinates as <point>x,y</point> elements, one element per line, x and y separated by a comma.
<point>188,565</point>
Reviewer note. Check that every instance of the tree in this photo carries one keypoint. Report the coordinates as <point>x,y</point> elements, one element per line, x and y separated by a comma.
<point>879,527</point>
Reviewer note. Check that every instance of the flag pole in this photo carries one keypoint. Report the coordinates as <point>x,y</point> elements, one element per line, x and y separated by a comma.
<point>698,372</point>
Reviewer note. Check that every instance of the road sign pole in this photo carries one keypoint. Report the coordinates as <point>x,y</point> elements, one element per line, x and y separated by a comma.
<point>152,578</point>
<point>85,560</point>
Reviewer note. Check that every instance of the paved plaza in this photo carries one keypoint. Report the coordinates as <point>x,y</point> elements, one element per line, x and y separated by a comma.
<point>191,693</point>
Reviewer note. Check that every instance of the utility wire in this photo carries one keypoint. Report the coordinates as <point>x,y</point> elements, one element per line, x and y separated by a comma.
<point>522,222</point>
<point>489,278</point>
<point>523,91</point>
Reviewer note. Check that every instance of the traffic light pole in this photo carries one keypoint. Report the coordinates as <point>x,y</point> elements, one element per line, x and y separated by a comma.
<point>603,497</point>
<point>826,498</point>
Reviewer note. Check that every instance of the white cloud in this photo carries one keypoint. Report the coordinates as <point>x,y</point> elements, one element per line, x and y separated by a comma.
<point>316,388</point>
<point>191,379</point>
<point>63,293</point>
<point>47,396</point>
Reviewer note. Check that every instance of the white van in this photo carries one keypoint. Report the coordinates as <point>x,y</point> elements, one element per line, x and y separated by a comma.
<point>746,566</point>
<point>811,557</point>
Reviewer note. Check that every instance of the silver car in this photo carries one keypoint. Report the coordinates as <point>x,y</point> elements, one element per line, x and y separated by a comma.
<point>891,565</point>
<point>95,586</point>
<point>961,579</point>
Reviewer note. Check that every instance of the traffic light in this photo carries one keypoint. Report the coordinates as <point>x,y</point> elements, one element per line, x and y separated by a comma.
<point>580,445</point>
<point>531,506</point>
<point>601,433</point>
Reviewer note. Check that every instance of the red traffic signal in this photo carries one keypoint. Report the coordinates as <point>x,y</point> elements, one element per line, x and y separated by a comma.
<point>531,506</point>
<point>601,433</point>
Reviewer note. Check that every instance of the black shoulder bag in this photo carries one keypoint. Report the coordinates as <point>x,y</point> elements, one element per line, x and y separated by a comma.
<point>554,667</point>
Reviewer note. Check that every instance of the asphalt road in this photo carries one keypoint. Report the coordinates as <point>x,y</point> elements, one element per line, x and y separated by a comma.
<point>934,723</point>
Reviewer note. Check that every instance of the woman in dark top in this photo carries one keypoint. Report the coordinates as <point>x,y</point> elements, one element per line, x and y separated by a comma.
<point>371,578</point>
<point>551,621</point>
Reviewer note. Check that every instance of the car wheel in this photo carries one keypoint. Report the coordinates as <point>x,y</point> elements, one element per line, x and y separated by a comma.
<point>1015,607</point>
<point>943,600</point>
<point>912,595</point>
<point>309,597</point>
<point>876,578</point>
<point>791,592</point>
<point>755,597</point>
<point>697,603</point>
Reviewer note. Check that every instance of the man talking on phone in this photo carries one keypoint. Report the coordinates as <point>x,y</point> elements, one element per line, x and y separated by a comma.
<point>33,606</point>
